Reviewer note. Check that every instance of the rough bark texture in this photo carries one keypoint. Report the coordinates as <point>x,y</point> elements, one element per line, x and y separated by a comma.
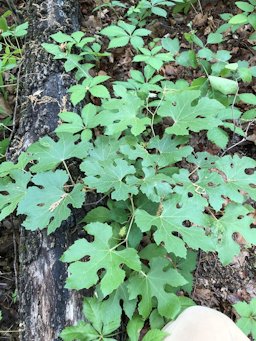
<point>45,306</point>
<point>44,82</point>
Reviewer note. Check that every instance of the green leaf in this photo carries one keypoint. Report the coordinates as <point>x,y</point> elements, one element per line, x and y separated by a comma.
<point>248,115</point>
<point>214,38</point>
<point>252,20</point>
<point>155,335</point>
<point>14,188</point>
<point>141,32</point>
<point>137,42</point>
<point>74,123</point>
<point>156,320</point>
<point>8,166</point>
<point>77,36</point>
<point>248,98</point>
<point>228,178</point>
<point>121,295</point>
<point>171,219</point>
<point>245,73</point>
<point>100,214</point>
<point>61,37</point>
<point>98,79</point>
<point>109,177</point>
<point>20,30</point>
<point>102,255</point>
<point>223,55</point>
<point>238,19</point>
<point>127,27</point>
<point>235,219</point>
<point>237,179</point>
<point>187,117</point>
<point>3,24</point>
<point>113,31</point>
<point>152,284</point>
<point>159,11</point>
<point>134,327</point>
<point>225,86</point>
<point>170,149</point>
<point>104,316</point>
<point>154,186</point>
<point>171,45</point>
<point>243,308</point>
<point>218,136</point>
<point>78,93</point>
<point>49,154</point>
<point>54,49</point>
<point>119,42</point>
<point>186,267</point>
<point>117,115</point>
<point>46,204</point>
<point>244,6</point>
<point>82,331</point>
<point>99,91</point>
<point>187,59</point>
<point>247,322</point>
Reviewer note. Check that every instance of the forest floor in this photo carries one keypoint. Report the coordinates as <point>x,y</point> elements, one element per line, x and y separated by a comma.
<point>215,285</point>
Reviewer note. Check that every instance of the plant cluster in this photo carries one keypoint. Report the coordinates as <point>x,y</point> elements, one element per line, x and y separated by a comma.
<point>165,200</point>
<point>247,320</point>
<point>10,58</point>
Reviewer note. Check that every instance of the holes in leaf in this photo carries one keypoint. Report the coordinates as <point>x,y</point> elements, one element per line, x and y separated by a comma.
<point>41,204</point>
<point>178,205</point>
<point>186,223</point>
<point>174,104</point>
<point>86,259</point>
<point>249,171</point>
<point>190,195</point>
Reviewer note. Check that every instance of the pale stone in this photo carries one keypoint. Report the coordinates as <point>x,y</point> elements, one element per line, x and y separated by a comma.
<point>203,324</point>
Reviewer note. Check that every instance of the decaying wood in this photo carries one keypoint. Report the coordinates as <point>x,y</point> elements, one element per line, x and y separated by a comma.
<point>45,305</point>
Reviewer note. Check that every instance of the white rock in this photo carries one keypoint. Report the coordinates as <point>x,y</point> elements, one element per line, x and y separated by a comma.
<point>203,324</point>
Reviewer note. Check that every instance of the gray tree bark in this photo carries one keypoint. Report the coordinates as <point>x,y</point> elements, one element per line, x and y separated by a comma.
<point>46,307</point>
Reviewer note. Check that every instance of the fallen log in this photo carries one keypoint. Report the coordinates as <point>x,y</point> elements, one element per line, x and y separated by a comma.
<point>45,306</point>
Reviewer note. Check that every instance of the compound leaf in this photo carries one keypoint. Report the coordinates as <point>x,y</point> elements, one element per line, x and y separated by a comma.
<point>46,204</point>
<point>84,274</point>
<point>170,218</point>
<point>235,219</point>
<point>110,176</point>
<point>120,114</point>
<point>49,154</point>
<point>14,188</point>
<point>152,284</point>
<point>186,117</point>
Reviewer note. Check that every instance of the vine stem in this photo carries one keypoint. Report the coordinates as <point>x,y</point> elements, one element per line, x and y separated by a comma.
<point>129,228</point>
<point>70,177</point>
<point>238,143</point>
<point>154,113</point>
<point>131,222</point>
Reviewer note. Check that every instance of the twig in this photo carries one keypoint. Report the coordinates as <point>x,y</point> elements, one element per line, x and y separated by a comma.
<point>200,6</point>
<point>16,103</point>
<point>238,143</point>
<point>69,174</point>
<point>15,263</point>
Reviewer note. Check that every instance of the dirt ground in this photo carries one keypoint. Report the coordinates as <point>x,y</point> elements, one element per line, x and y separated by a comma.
<point>215,286</point>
